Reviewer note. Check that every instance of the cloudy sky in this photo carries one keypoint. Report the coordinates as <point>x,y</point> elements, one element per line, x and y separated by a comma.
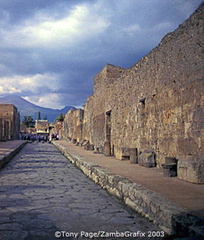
<point>50,50</point>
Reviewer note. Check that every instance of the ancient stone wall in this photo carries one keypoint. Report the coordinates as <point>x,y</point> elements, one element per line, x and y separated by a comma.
<point>107,76</point>
<point>94,111</point>
<point>10,122</point>
<point>156,106</point>
<point>72,125</point>
<point>42,126</point>
<point>58,128</point>
<point>4,130</point>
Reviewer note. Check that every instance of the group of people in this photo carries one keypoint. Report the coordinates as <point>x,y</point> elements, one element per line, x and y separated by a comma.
<point>34,137</point>
<point>38,137</point>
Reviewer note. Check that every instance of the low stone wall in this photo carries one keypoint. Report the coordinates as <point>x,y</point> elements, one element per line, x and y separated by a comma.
<point>172,219</point>
<point>5,158</point>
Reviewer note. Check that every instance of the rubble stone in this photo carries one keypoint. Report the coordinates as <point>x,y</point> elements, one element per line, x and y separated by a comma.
<point>191,170</point>
<point>147,159</point>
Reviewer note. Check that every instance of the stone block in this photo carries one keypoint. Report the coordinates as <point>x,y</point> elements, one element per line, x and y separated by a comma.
<point>126,154</point>
<point>191,170</point>
<point>81,143</point>
<point>74,141</point>
<point>107,148</point>
<point>91,147</point>
<point>100,149</point>
<point>147,159</point>
<point>133,155</point>
<point>170,169</point>
<point>84,143</point>
<point>130,154</point>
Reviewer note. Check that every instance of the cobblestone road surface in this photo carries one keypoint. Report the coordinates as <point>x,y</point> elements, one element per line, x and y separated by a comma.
<point>43,195</point>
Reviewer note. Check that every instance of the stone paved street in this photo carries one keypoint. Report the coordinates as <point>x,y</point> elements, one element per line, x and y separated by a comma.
<point>43,194</point>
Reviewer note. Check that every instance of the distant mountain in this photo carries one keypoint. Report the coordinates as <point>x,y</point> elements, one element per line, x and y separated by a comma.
<point>29,109</point>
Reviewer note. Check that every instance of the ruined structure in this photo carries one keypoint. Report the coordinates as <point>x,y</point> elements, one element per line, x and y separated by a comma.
<point>152,111</point>
<point>9,122</point>
<point>73,125</point>
<point>41,126</point>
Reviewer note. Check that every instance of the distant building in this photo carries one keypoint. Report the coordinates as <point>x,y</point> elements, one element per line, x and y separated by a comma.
<point>42,126</point>
<point>9,122</point>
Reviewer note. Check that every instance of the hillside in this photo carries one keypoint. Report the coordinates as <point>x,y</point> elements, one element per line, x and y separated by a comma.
<point>29,109</point>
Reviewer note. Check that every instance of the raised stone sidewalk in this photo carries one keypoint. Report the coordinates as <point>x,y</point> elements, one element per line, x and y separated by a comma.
<point>174,205</point>
<point>177,207</point>
<point>9,149</point>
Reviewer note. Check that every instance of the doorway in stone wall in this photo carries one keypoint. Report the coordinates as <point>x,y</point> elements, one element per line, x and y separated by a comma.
<point>107,146</point>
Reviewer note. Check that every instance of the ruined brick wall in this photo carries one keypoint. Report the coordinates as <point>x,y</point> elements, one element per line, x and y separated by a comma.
<point>42,126</point>
<point>10,123</point>
<point>67,128</point>
<point>57,129</point>
<point>95,108</point>
<point>4,130</point>
<point>157,104</point>
<point>72,125</point>
<point>106,77</point>
<point>170,80</point>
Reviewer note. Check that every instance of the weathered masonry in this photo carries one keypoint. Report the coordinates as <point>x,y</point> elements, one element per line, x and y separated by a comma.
<point>9,122</point>
<point>153,112</point>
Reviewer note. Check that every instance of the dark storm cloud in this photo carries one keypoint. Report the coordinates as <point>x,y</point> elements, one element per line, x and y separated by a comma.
<point>51,50</point>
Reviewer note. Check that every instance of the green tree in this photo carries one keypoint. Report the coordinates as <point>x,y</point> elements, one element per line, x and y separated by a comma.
<point>39,116</point>
<point>28,121</point>
<point>60,118</point>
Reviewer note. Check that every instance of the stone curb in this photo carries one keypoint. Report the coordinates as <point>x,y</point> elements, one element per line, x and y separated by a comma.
<point>172,219</point>
<point>5,158</point>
